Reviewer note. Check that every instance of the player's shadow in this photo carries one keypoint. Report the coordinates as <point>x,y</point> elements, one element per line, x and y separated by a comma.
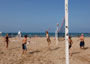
<point>86,48</point>
<point>34,52</point>
<point>14,48</point>
<point>55,48</point>
<point>75,52</point>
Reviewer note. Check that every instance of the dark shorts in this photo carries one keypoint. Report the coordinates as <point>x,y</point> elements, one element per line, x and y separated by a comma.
<point>24,47</point>
<point>82,44</point>
<point>70,46</point>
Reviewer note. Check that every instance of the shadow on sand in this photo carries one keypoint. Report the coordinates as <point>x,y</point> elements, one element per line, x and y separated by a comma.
<point>14,48</point>
<point>55,48</point>
<point>86,48</point>
<point>34,52</point>
<point>75,53</point>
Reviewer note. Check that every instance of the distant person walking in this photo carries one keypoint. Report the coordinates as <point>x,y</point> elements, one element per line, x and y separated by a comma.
<point>82,43</point>
<point>24,42</point>
<point>7,40</point>
<point>48,39</point>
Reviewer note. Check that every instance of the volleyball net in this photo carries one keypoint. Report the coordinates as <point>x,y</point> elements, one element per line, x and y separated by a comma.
<point>61,31</point>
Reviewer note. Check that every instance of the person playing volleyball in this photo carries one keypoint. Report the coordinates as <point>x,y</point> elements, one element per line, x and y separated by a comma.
<point>48,39</point>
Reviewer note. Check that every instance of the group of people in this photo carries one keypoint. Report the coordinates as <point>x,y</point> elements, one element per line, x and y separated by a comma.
<point>82,43</point>
<point>24,42</point>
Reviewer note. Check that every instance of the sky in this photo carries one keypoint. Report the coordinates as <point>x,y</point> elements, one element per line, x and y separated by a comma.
<point>39,15</point>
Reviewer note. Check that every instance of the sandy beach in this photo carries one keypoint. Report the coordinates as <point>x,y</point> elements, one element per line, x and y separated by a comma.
<point>38,52</point>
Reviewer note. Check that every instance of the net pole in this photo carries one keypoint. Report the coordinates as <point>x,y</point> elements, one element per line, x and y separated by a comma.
<point>56,33</point>
<point>66,32</point>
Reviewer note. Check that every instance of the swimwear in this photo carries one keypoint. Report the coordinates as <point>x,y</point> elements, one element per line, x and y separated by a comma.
<point>82,43</point>
<point>70,46</point>
<point>24,47</point>
<point>7,39</point>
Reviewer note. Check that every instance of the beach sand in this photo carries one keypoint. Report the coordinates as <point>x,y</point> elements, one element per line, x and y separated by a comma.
<point>38,52</point>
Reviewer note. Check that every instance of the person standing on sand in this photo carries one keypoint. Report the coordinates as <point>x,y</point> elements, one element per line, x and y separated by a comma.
<point>7,40</point>
<point>70,43</point>
<point>48,39</point>
<point>82,43</point>
<point>24,42</point>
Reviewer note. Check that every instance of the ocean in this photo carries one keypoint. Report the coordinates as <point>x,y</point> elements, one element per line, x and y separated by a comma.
<point>43,34</point>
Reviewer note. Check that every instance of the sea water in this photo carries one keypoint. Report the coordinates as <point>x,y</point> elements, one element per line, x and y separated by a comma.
<point>43,34</point>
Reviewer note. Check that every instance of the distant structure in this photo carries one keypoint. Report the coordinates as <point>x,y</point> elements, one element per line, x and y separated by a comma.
<point>19,34</point>
<point>0,34</point>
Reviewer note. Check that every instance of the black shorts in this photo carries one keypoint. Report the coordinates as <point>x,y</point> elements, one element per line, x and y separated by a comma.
<point>82,43</point>
<point>70,46</point>
<point>24,47</point>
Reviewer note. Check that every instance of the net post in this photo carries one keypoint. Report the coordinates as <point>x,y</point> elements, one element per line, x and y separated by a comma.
<point>66,32</point>
<point>56,34</point>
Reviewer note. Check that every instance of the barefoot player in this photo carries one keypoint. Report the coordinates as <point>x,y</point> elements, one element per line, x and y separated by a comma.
<point>82,43</point>
<point>70,43</point>
<point>24,41</point>
<point>48,39</point>
<point>7,40</point>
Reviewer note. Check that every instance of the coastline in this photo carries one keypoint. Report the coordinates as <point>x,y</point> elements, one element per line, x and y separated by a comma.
<point>43,34</point>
